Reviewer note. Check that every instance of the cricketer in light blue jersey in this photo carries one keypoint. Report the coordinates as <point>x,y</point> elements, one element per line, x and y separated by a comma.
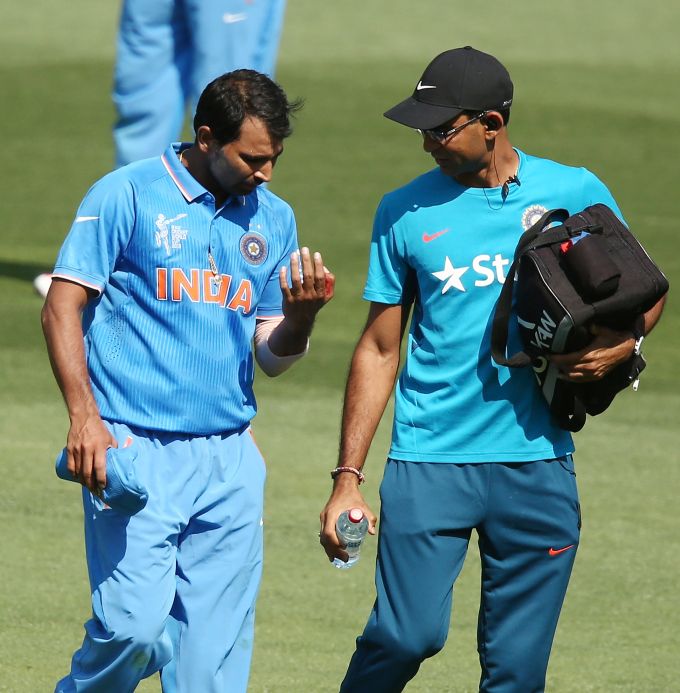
<point>473,445</point>
<point>179,265</point>
<point>141,239</point>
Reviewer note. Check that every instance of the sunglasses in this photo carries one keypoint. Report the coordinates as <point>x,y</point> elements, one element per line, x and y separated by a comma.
<point>442,136</point>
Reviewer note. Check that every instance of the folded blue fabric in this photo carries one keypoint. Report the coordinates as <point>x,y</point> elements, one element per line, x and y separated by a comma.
<point>123,492</point>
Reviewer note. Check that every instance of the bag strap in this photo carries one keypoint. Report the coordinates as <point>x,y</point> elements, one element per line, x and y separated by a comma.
<point>501,318</point>
<point>577,419</point>
<point>534,236</point>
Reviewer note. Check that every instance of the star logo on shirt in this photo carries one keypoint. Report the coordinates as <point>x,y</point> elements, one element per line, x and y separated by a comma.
<point>451,275</point>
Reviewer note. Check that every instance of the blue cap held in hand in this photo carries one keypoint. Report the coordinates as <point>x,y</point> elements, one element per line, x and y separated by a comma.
<point>122,492</point>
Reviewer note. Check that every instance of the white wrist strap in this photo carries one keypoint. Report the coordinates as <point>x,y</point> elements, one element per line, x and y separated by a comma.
<point>269,362</point>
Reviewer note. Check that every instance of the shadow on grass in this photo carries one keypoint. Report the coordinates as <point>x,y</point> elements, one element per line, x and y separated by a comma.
<point>25,271</point>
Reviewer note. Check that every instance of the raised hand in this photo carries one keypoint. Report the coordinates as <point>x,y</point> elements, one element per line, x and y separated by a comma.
<point>312,286</point>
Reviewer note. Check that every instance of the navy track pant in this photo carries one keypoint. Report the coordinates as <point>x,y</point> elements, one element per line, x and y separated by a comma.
<point>527,518</point>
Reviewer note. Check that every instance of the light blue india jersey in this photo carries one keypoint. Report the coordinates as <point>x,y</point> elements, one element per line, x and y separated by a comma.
<point>450,247</point>
<point>169,338</point>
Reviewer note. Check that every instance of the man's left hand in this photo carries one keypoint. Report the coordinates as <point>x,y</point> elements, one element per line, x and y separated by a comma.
<point>608,349</point>
<point>312,286</point>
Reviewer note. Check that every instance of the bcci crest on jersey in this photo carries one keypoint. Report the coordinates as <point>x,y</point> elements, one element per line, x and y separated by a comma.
<point>531,215</point>
<point>254,248</point>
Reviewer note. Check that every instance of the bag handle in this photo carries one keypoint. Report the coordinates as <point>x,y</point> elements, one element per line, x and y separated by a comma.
<point>540,228</point>
<point>501,318</point>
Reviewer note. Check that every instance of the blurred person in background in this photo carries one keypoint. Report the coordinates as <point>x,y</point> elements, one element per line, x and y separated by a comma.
<point>169,50</point>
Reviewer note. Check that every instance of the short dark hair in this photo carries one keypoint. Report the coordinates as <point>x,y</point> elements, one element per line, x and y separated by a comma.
<point>231,98</point>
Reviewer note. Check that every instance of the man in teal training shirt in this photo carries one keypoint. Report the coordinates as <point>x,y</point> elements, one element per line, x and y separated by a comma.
<point>473,445</point>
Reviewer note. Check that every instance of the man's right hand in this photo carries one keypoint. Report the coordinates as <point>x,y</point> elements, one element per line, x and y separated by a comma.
<point>88,438</point>
<point>345,495</point>
<point>86,446</point>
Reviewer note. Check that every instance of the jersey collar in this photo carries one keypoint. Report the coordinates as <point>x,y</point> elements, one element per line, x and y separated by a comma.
<point>190,188</point>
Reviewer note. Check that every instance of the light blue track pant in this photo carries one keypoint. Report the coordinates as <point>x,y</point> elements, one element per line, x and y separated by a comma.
<point>528,521</point>
<point>169,50</point>
<point>174,586</point>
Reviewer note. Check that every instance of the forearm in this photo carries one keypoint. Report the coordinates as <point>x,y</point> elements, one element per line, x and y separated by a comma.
<point>88,436</point>
<point>369,385</point>
<point>371,378</point>
<point>629,339</point>
<point>64,339</point>
<point>608,349</point>
<point>651,317</point>
<point>270,362</point>
<point>368,389</point>
<point>289,338</point>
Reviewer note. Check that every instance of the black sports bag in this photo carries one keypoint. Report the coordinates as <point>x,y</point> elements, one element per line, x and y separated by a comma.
<point>587,270</point>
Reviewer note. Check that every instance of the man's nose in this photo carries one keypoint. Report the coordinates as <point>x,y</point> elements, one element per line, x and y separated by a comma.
<point>264,174</point>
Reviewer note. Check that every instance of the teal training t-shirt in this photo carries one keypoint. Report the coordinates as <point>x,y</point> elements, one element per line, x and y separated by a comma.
<point>449,247</point>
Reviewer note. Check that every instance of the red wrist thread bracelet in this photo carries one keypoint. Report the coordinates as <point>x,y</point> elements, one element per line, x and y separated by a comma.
<point>352,470</point>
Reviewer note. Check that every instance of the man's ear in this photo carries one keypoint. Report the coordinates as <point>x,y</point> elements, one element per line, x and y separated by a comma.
<point>204,138</point>
<point>493,121</point>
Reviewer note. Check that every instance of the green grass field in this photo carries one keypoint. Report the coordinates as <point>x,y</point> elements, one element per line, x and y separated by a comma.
<point>596,84</point>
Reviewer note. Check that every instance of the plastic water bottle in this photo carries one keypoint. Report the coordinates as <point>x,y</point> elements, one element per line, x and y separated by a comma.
<point>351,529</point>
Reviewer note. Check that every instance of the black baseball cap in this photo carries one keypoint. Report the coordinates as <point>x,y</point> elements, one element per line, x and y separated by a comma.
<point>461,79</point>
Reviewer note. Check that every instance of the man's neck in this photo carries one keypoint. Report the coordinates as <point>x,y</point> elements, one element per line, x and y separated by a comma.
<point>197,165</point>
<point>501,165</point>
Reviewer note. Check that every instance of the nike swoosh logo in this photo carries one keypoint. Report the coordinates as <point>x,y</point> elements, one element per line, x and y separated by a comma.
<point>80,220</point>
<point>555,552</point>
<point>233,18</point>
<point>424,86</point>
<point>427,237</point>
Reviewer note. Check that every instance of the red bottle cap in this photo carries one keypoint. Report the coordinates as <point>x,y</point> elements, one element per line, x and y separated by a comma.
<point>355,515</point>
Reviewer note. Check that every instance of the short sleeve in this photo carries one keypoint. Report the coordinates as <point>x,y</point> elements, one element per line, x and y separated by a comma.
<point>596,192</point>
<point>388,271</point>
<point>271,300</point>
<point>99,234</point>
